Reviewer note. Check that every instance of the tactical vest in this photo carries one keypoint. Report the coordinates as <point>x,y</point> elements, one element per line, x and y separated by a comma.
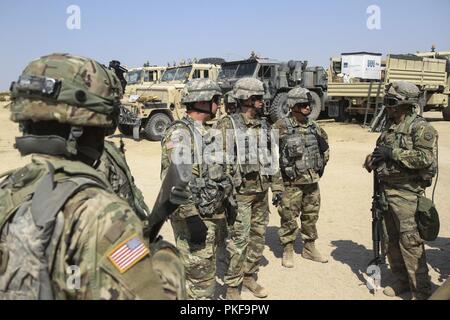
<point>122,182</point>
<point>212,185</point>
<point>299,150</point>
<point>250,162</point>
<point>31,222</point>
<point>392,171</point>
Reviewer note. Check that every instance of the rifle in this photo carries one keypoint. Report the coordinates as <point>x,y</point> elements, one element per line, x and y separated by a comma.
<point>172,194</point>
<point>119,71</point>
<point>377,219</point>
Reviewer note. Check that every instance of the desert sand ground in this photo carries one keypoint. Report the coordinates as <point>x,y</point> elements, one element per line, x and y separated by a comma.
<point>345,220</point>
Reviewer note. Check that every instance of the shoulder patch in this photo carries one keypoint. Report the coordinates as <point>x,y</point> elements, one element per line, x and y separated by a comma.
<point>128,253</point>
<point>428,136</point>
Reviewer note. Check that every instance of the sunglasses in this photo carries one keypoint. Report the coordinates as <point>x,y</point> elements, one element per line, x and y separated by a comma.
<point>390,102</point>
<point>256,98</point>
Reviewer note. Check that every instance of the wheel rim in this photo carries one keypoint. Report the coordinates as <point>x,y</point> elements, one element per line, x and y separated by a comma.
<point>161,126</point>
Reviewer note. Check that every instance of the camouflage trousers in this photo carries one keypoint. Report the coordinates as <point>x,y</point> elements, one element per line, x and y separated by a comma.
<point>402,243</point>
<point>245,244</point>
<point>303,201</point>
<point>199,260</point>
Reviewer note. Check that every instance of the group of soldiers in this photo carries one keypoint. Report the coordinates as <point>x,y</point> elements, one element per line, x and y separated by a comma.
<point>72,221</point>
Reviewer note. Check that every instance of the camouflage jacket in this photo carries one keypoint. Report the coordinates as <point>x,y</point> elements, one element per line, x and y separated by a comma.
<point>96,224</point>
<point>414,147</point>
<point>114,165</point>
<point>256,181</point>
<point>178,137</point>
<point>311,127</point>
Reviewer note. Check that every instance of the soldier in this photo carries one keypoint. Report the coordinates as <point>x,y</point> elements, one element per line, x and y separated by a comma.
<point>404,162</point>
<point>64,234</point>
<point>304,152</point>
<point>198,225</point>
<point>252,181</point>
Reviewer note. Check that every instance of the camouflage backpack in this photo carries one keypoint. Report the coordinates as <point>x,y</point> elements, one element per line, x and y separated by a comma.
<point>31,222</point>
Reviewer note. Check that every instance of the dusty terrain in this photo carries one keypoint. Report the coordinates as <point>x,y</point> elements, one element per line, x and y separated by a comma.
<point>344,224</point>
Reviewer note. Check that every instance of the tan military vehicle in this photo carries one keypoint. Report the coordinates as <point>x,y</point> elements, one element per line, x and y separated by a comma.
<point>143,76</point>
<point>4,96</point>
<point>152,108</point>
<point>356,82</point>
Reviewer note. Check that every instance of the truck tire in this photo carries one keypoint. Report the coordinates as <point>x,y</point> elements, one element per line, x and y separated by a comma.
<point>156,126</point>
<point>446,113</point>
<point>278,108</point>
<point>316,106</point>
<point>211,60</point>
<point>125,129</point>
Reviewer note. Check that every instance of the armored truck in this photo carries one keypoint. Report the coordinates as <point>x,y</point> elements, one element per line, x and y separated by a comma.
<point>278,78</point>
<point>152,108</point>
<point>362,96</point>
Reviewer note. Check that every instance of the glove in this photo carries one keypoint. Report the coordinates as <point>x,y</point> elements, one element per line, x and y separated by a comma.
<point>197,229</point>
<point>276,199</point>
<point>381,153</point>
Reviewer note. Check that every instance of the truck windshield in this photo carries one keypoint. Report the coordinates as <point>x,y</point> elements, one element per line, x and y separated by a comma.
<point>237,70</point>
<point>134,77</point>
<point>181,73</point>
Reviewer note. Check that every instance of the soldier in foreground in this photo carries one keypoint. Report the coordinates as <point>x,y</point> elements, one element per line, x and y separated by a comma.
<point>404,162</point>
<point>198,225</point>
<point>304,152</point>
<point>252,181</point>
<point>64,234</point>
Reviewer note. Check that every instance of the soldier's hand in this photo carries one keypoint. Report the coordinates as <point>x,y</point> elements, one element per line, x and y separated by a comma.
<point>381,153</point>
<point>197,229</point>
<point>368,163</point>
<point>276,199</point>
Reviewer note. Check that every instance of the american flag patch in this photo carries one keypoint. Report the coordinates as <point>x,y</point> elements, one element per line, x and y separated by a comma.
<point>128,253</point>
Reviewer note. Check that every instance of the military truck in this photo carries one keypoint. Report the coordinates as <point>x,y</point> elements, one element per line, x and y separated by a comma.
<point>152,108</point>
<point>278,78</point>
<point>361,98</point>
<point>4,96</point>
<point>136,78</point>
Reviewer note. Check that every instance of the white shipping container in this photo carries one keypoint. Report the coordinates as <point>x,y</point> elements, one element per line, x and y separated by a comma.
<point>364,65</point>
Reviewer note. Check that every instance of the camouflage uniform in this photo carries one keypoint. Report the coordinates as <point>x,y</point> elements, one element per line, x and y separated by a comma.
<point>58,216</point>
<point>404,174</point>
<point>199,258</point>
<point>114,165</point>
<point>301,194</point>
<point>246,241</point>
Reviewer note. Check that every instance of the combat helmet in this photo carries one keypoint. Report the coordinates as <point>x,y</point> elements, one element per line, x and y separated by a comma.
<point>247,87</point>
<point>197,90</point>
<point>401,93</point>
<point>298,95</point>
<point>66,89</point>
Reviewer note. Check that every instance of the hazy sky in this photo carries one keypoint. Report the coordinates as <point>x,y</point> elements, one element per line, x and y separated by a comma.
<point>162,31</point>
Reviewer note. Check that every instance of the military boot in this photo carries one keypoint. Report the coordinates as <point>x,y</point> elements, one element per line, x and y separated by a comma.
<point>288,256</point>
<point>233,293</point>
<point>251,284</point>
<point>310,252</point>
<point>396,289</point>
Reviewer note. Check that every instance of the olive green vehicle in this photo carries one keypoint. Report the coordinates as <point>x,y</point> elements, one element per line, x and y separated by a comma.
<point>152,108</point>
<point>361,98</point>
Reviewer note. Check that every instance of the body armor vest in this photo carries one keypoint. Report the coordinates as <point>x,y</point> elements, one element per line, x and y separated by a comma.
<point>31,222</point>
<point>212,185</point>
<point>299,151</point>
<point>251,154</point>
<point>392,171</point>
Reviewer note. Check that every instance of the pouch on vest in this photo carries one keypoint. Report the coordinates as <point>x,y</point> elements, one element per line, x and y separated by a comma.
<point>427,219</point>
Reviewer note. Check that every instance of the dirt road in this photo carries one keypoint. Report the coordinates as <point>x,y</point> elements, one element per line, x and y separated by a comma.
<point>344,225</point>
